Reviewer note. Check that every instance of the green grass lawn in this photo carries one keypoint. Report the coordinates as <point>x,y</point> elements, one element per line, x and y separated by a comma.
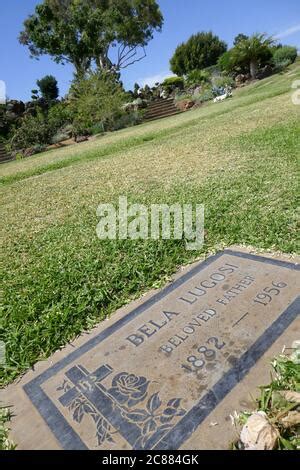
<point>238,157</point>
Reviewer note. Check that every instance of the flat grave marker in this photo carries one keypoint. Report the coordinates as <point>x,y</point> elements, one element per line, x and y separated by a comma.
<point>152,377</point>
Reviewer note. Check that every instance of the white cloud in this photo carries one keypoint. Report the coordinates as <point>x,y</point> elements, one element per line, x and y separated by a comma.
<point>154,79</point>
<point>2,92</point>
<point>288,32</point>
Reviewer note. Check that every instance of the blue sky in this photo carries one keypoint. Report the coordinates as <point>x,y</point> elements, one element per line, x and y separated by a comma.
<point>182,18</point>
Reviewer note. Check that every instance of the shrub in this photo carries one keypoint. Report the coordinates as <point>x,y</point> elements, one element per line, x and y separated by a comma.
<point>59,116</point>
<point>59,137</point>
<point>224,82</point>
<point>139,103</point>
<point>96,99</point>
<point>183,97</point>
<point>197,77</point>
<point>171,83</point>
<point>128,119</point>
<point>5,125</point>
<point>285,55</point>
<point>42,128</point>
<point>206,95</point>
<point>34,130</point>
<point>281,66</point>
<point>230,63</point>
<point>38,148</point>
<point>97,128</point>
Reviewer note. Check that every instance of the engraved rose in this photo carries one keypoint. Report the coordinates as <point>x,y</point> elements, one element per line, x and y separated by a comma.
<point>129,389</point>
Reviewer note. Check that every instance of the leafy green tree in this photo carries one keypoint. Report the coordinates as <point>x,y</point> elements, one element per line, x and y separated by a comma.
<point>59,115</point>
<point>4,123</point>
<point>48,88</point>
<point>84,31</point>
<point>240,37</point>
<point>34,94</point>
<point>178,61</point>
<point>200,51</point>
<point>136,89</point>
<point>33,130</point>
<point>247,56</point>
<point>95,99</point>
<point>255,51</point>
<point>231,63</point>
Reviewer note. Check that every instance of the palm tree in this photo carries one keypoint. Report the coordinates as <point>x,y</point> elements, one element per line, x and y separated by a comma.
<point>255,50</point>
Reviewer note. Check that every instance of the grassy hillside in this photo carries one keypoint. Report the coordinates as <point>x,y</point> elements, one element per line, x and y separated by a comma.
<point>238,157</point>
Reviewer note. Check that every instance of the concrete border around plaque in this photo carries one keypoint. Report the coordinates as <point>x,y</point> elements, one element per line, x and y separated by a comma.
<point>151,377</point>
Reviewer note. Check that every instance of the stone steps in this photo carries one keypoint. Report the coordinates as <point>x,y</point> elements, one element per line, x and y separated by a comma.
<point>4,156</point>
<point>160,109</point>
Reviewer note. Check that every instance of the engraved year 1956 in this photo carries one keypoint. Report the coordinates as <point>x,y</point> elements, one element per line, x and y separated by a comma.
<point>268,293</point>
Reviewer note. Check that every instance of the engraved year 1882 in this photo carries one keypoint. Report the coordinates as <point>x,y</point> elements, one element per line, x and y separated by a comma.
<point>205,354</point>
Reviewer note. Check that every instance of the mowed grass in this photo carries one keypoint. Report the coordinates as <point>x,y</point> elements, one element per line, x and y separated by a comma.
<point>239,158</point>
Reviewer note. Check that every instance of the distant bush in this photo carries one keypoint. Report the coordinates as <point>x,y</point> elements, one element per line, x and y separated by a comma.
<point>197,77</point>
<point>139,103</point>
<point>34,130</point>
<point>230,63</point>
<point>96,99</point>
<point>42,128</point>
<point>59,137</point>
<point>223,82</point>
<point>206,95</point>
<point>212,70</point>
<point>128,119</point>
<point>285,55</point>
<point>38,148</point>
<point>5,125</point>
<point>281,66</point>
<point>183,97</point>
<point>59,116</point>
<point>97,128</point>
<point>170,84</point>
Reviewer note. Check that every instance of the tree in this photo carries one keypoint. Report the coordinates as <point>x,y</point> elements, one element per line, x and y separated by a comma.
<point>255,51</point>
<point>34,95</point>
<point>232,64</point>
<point>247,56</point>
<point>48,88</point>
<point>83,32</point>
<point>200,51</point>
<point>178,61</point>
<point>240,37</point>
<point>33,130</point>
<point>95,99</point>
<point>136,89</point>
